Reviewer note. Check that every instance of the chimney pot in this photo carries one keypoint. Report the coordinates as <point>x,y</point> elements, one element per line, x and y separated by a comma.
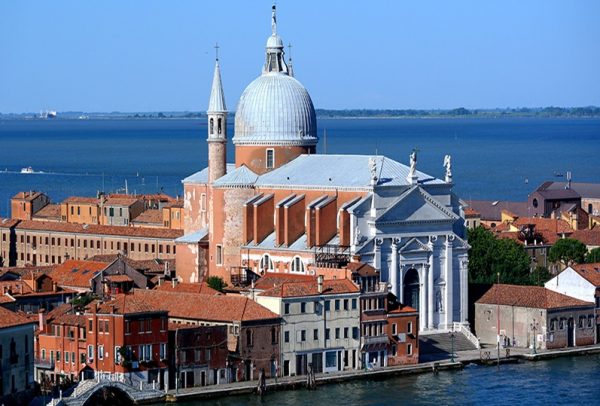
<point>320,283</point>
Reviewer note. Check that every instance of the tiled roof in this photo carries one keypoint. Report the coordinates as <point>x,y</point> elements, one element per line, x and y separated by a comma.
<point>48,211</point>
<point>545,224</point>
<point>302,289</point>
<point>121,201</point>
<point>188,288</point>
<point>12,319</point>
<point>142,265</point>
<point>588,237</point>
<point>362,269</point>
<point>149,196</point>
<point>125,304</point>
<point>64,314</point>
<point>403,309</point>
<point>76,273</point>
<point>554,190</point>
<point>8,223</point>
<point>216,308</point>
<point>27,196</point>
<point>537,297</point>
<point>15,288</point>
<point>25,271</point>
<point>93,229</point>
<point>271,280</point>
<point>590,272</point>
<point>119,278</point>
<point>81,199</point>
<point>471,213</point>
<point>490,210</point>
<point>153,216</point>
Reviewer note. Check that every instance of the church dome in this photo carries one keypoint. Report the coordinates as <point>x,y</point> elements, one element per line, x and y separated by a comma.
<point>275,109</point>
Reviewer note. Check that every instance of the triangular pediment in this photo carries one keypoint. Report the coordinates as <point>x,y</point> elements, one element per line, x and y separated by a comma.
<point>414,245</point>
<point>416,205</point>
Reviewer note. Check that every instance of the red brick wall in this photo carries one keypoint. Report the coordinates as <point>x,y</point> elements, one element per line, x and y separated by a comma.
<point>294,221</point>
<point>263,219</point>
<point>326,222</point>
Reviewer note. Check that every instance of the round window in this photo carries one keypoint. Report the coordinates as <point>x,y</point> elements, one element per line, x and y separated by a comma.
<point>535,203</point>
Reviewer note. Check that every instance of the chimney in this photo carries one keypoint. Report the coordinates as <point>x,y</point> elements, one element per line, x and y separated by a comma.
<point>320,283</point>
<point>42,319</point>
<point>167,269</point>
<point>568,179</point>
<point>174,282</point>
<point>20,288</point>
<point>54,286</point>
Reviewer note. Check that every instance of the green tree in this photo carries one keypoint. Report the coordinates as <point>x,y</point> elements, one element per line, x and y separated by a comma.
<point>490,256</point>
<point>216,282</point>
<point>593,256</point>
<point>540,276</point>
<point>567,251</point>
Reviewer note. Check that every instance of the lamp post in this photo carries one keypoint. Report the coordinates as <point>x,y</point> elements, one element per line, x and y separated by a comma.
<point>534,327</point>
<point>452,341</point>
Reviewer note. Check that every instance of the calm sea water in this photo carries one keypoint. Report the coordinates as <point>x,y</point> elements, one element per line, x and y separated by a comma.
<point>563,381</point>
<point>492,158</point>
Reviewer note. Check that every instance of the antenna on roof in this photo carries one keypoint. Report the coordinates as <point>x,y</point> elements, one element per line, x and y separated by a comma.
<point>217,51</point>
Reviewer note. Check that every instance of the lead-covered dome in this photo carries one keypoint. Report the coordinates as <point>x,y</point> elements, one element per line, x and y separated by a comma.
<point>275,109</point>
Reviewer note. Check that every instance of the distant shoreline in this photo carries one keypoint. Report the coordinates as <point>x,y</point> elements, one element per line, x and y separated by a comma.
<point>460,113</point>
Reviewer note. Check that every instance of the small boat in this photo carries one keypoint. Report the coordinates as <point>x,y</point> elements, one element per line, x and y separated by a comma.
<point>28,169</point>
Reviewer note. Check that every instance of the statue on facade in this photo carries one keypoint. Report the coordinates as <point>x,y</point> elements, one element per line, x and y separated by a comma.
<point>413,163</point>
<point>448,166</point>
<point>438,301</point>
<point>373,169</point>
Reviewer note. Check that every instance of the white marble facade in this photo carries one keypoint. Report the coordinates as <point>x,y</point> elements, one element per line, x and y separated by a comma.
<point>415,237</point>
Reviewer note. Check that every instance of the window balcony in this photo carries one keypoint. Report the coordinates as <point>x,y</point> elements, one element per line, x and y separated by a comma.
<point>44,363</point>
<point>378,341</point>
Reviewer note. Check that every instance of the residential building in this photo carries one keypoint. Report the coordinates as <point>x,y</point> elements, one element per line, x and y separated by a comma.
<point>120,211</point>
<point>33,291</point>
<point>24,205</point>
<point>46,243</point>
<point>490,211</point>
<point>321,324</point>
<point>472,218</point>
<point>389,330</point>
<point>253,331</point>
<point>99,278</point>
<point>16,356</point>
<point>198,355</point>
<point>534,315</point>
<point>581,281</point>
<point>552,198</point>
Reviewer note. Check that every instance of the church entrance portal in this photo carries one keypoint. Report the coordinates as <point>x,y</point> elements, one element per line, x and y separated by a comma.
<point>411,288</point>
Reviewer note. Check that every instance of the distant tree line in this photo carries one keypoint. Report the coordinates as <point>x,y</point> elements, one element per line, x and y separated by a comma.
<point>591,111</point>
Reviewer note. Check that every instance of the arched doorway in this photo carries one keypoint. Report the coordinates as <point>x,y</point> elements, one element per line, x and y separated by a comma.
<point>108,396</point>
<point>411,288</point>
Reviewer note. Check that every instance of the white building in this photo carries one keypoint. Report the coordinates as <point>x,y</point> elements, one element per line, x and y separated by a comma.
<point>321,324</point>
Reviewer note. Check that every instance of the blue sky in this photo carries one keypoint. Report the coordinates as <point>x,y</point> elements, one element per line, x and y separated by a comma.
<point>158,55</point>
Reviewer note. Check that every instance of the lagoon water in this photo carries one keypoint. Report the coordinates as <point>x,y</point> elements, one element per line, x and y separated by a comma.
<point>504,158</point>
<point>562,381</point>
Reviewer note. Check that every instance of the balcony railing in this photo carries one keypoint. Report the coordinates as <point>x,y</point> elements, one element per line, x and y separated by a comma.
<point>332,256</point>
<point>374,340</point>
<point>242,276</point>
<point>44,363</point>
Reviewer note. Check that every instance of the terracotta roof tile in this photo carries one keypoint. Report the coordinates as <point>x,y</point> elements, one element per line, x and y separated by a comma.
<point>152,216</point>
<point>14,288</point>
<point>271,280</point>
<point>545,224</point>
<point>49,211</point>
<point>590,272</point>
<point>121,201</point>
<point>12,319</point>
<point>470,213</point>
<point>216,308</point>
<point>8,223</point>
<point>125,304</point>
<point>143,265</point>
<point>188,288</point>
<point>81,200</point>
<point>301,289</point>
<point>588,237</point>
<point>75,273</point>
<point>93,229</point>
<point>27,196</point>
<point>362,269</point>
<point>119,278</point>
<point>537,297</point>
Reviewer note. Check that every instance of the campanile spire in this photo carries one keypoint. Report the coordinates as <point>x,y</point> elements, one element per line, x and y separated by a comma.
<point>217,126</point>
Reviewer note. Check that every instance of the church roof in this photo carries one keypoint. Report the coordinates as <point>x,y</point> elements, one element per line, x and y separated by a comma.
<point>194,237</point>
<point>201,177</point>
<point>238,177</point>
<point>335,171</point>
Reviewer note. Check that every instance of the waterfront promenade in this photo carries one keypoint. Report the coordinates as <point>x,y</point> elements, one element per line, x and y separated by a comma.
<point>484,356</point>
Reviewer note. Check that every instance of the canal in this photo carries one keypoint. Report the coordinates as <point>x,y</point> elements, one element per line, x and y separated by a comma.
<point>561,381</point>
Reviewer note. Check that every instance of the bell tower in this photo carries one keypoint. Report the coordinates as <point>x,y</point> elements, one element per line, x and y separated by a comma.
<point>217,127</point>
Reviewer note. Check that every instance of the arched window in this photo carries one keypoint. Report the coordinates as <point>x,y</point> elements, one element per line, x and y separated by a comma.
<point>212,126</point>
<point>297,265</point>
<point>219,127</point>
<point>266,263</point>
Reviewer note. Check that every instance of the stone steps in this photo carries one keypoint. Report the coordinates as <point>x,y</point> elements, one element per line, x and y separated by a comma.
<point>442,343</point>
